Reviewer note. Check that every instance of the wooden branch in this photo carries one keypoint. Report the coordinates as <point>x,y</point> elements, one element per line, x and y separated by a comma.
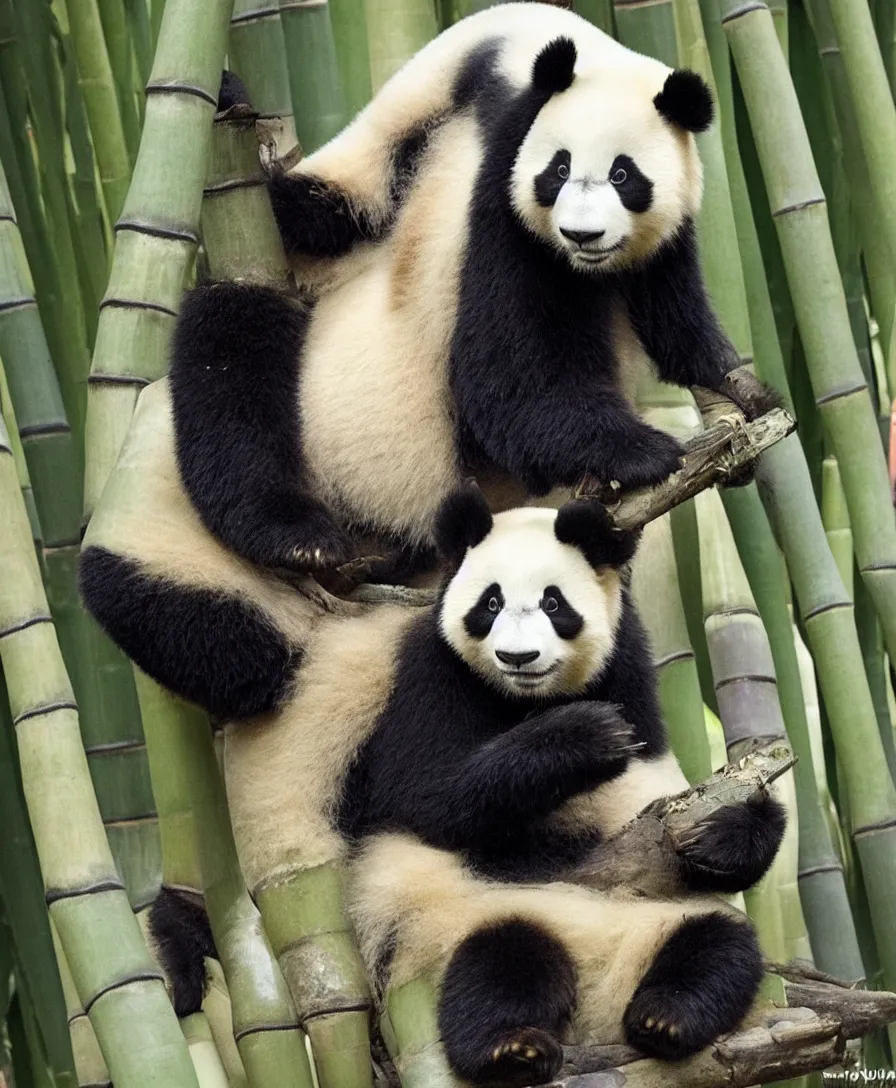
<point>729,445</point>
<point>775,1044</point>
<point>643,854</point>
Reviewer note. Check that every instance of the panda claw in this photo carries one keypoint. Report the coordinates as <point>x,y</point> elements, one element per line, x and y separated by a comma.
<point>527,1056</point>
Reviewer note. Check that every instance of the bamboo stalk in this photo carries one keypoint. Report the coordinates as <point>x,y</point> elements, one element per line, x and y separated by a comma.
<point>29,82</point>
<point>98,88</point>
<point>799,207</point>
<point>257,53</point>
<point>352,52</point>
<point>24,909</point>
<point>396,30</point>
<point>115,979</point>
<point>318,101</point>
<point>846,409</point>
<point>89,1063</point>
<point>302,911</point>
<point>599,12</point>
<point>122,60</point>
<point>202,856</point>
<point>157,234</point>
<point>655,588</point>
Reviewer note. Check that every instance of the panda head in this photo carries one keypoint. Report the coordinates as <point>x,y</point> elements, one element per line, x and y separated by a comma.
<point>609,170</point>
<point>534,595</point>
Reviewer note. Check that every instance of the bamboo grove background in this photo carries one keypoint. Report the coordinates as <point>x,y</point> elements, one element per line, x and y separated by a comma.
<point>772,607</point>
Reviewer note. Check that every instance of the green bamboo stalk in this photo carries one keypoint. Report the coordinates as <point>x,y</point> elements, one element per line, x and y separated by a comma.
<point>219,1011</point>
<point>137,13</point>
<point>270,1041</point>
<point>90,224</point>
<point>303,912</point>
<point>12,429</point>
<point>396,30</point>
<point>318,100</point>
<point>257,53</point>
<point>835,516</point>
<point>30,88</point>
<point>110,719</point>
<point>820,874</point>
<point>352,52</point>
<point>872,100</point>
<point>599,12</point>
<point>876,669</point>
<point>90,1065</point>
<point>122,61</point>
<point>795,195</point>
<point>98,88</point>
<point>885,26</point>
<point>115,978</point>
<point>655,586</point>
<point>210,1071</point>
<point>879,262</point>
<point>686,539</point>
<point>157,234</point>
<point>24,909</point>
<point>649,30</point>
<point>778,8</point>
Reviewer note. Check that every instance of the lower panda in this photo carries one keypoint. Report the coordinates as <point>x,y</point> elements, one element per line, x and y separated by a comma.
<point>461,762</point>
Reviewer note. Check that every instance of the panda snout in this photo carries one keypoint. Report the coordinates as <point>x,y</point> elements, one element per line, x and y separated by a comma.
<point>517,660</point>
<point>582,237</point>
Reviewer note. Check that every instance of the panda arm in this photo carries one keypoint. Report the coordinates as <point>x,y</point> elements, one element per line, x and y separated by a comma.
<point>671,313</point>
<point>527,771</point>
<point>234,391</point>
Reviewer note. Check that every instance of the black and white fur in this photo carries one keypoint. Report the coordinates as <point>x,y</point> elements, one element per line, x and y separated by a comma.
<point>486,248</point>
<point>462,761</point>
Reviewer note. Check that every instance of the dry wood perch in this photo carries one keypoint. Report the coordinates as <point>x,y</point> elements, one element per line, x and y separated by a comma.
<point>809,1034</point>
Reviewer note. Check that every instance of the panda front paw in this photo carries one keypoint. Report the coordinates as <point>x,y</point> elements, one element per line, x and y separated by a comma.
<point>311,542</point>
<point>590,739</point>
<point>733,848</point>
<point>644,458</point>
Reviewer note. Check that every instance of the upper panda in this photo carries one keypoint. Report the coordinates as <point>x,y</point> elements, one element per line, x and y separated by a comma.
<point>460,761</point>
<point>485,253</point>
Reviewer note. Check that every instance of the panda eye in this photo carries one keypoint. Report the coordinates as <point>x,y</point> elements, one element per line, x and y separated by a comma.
<point>563,171</point>
<point>619,176</point>
<point>550,604</point>
<point>493,605</point>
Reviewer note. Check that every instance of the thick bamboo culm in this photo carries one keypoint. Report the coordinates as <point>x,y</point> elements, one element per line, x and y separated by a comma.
<point>318,101</point>
<point>157,234</point>
<point>115,979</point>
<point>302,913</point>
<point>796,198</point>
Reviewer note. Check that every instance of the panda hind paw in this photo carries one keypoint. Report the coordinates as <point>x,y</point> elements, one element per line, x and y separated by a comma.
<point>521,1057</point>
<point>659,1034</point>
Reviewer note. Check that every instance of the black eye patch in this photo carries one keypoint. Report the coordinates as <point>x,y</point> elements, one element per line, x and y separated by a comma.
<point>550,181</point>
<point>635,189</point>
<point>566,621</point>
<point>478,621</point>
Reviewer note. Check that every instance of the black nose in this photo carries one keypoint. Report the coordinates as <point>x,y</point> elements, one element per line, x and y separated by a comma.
<point>582,237</point>
<point>525,658</point>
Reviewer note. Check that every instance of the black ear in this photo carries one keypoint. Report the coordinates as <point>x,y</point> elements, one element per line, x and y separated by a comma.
<point>686,101</point>
<point>463,521</point>
<point>585,524</point>
<point>553,68</point>
<point>232,92</point>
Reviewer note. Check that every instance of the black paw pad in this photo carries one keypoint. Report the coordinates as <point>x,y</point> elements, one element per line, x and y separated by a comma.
<point>734,847</point>
<point>522,1057</point>
<point>700,986</point>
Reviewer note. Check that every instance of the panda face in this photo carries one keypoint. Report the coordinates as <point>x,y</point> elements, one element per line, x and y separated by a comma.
<point>529,614</point>
<point>602,176</point>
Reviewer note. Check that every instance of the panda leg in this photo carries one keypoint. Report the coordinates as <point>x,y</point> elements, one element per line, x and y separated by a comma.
<point>183,938</point>
<point>507,996</point>
<point>700,985</point>
<point>235,397</point>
